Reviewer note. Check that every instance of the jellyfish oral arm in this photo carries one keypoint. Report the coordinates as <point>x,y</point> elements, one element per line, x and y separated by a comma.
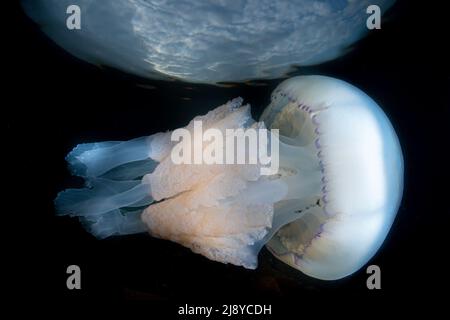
<point>223,211</point>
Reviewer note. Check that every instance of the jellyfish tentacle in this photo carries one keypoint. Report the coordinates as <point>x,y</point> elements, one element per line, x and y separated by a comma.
<point>115,222</point>
<point>93,160</point>
<point>299,157</point>
<point>285,212</point>
<point>116,175</point>
<point>107,207</point>
<point>112,171</point>
<point>131,171</point>
<point>302,183</point>
<point>101,197</point>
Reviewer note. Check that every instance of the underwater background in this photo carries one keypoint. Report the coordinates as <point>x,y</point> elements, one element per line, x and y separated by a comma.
<point>59,101</point>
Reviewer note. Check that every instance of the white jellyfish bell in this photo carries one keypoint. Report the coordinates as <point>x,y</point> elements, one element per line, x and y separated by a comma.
<point>205,41</point>
<point>325,212</point>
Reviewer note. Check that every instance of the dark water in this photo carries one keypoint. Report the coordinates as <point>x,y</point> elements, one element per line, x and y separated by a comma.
<point>59,101</point>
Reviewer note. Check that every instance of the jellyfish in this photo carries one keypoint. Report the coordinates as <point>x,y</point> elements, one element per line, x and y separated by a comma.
<point>325,212</point>
<point>207,41</point>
